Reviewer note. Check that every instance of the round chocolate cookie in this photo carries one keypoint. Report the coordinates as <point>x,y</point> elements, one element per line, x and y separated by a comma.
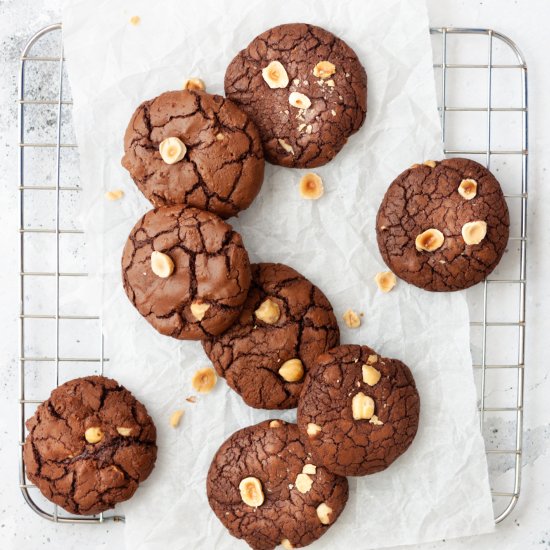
<point>265,489</point>
<point>358,411</point>
<point>186,271</point>
<point>305,89</point>
<point>89,445</point>
<point>285,323</point>
<point>443,226</point>
<point>222,166</point>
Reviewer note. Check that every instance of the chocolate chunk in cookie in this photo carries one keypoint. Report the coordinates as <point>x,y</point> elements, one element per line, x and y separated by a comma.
<point>186,271</point>
<point>89,445</point>
<point>197,149</point>
<point>358,411</point>
<point>285,323</point>
<point>305,89</point>
<point>265,489</point>
<point>443,226</point>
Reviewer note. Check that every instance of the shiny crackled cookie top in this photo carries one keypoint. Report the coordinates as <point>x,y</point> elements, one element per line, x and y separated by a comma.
<point>305,89</point>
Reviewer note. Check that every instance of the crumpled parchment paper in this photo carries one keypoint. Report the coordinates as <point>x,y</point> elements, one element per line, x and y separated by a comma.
<point>439,488</point>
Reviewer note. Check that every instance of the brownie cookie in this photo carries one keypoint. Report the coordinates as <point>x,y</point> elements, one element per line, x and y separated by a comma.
<point>265,489</point>
<point>305,89</point>
<point>358,411</point>
<point>443,226</point>
<point>285,323</point>
<point>193,148</point>
<point>186,271</point>
<point>89,445</point>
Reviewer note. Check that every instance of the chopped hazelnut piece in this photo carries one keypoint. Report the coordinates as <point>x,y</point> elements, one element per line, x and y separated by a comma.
<point>199,309</point>
<point>251,491</point>
<point>114,195</point>
<point>161,264</point>
<point>268,312</point>
<point>175,418</point>
<point>194,83</point>
<point>474,232</point>
<point>385,280</point>
<point>311,186</point>
<point>301,101</point>
<point>292,370</point>
<point>324,69</point>
<point>351,319</point>
<point>172,150</point>
<point>275,75</point>
<point>204,380</point>
<point>429,240</point>
<point>468,189</point>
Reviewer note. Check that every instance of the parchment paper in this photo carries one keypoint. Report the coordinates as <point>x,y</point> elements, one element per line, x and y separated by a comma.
<point>439,488</point>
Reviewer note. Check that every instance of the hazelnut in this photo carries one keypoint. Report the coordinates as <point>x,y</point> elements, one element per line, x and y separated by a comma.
<point>268,312</point>
<point>429,240</point>
<point>124,432</point>
<point>385,280</point>
<point>114,195</point>
<point>351,319</point>
<point>375,420</point>
<point>323,513</point>
<point>311,186</point>
<point>286,544</point>
<point>303,483</point>
<point>135,20</point>
<point>474,232</point>
<point>286,146</point>
<point>275,424</point>
<point>275,75</point>
<point>313,429</point>
<point>204,380</point>
<point>161,264</point>
<point>324,69</point>
<point>371,376</point>
<point>220,137</point>
<point>371,359</point>
<point>362,406</point>
<point>430,163</point>
<point>194,83</point>
<point>292,370</point>
<point>309,469</point>
<point>468,189</point>
<point>330,83</point>
<point>175,418</point>
<point>199,309</point>
<point>298,100</point>
<point>93,435</point>
<point>172,150</point>
<point>251,491</point>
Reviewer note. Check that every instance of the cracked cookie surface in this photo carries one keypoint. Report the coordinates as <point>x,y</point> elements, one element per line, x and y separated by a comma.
<point>251,352</point>
<point>337,440</point>
<point>82,477</point>
<point>273,453</point>
<point>211,269</point>
<point>423,197</point>
<point>223,168</point>
<point>291,136</point>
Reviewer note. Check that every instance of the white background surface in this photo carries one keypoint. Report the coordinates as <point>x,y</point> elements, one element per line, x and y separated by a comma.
<point>529,524</point>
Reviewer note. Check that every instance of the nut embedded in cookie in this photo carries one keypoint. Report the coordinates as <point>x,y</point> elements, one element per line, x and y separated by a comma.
<point>251,491</point>
<point>275,75</point>
<point>323,513</point>
<point>292,370</point>
<point>468,189</point>
<point>199,309</point>
<point>93,435</point>
<point>429,240</point>
<point>362,406</point>
<point>324,69</point>
<point>268,312</point>
<point>474,232</point>
<point>172,150</point>
<point>161,264</point>
<point>299,100</point>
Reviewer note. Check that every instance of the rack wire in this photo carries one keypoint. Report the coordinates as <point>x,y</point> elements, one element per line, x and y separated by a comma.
<point>44,168</point>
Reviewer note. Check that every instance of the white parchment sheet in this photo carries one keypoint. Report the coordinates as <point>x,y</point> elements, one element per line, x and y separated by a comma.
<point>439,488</point>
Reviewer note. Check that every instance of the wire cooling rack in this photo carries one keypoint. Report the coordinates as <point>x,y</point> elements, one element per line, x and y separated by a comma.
<point>481,79</point>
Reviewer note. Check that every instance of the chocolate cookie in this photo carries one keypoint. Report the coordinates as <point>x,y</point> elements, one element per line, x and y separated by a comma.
<point>265,489</point>
<point>221,168</point>
<point>358,411</point>
<point>285,323</point>
<point>186,271</point>
<point>89,445</point>
<point>304,88</point>
<point>443,226</point>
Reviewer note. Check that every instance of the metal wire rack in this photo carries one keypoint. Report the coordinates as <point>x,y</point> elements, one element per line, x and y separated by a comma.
<point>48,174</point>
